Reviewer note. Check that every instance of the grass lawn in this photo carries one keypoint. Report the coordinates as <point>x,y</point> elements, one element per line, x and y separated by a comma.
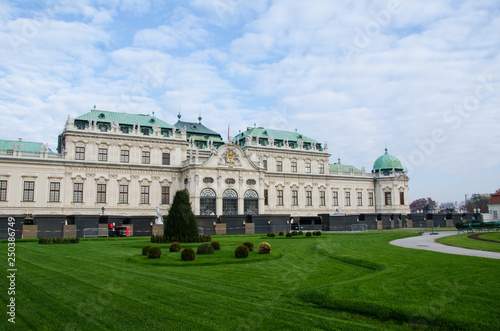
<point>463,240</point>
<point>336,281</point>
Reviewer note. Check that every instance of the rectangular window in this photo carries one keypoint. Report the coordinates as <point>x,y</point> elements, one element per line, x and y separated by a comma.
<point>294,166</point>
<point>3,190</point>
<point>370,198</point>
<point>144,194</point>
<point>295,198</point>
<point>123,197</point>
<point>29,191</point>
<point>279,166</point>
<point>80,153</point>
<point>388,199</point>
<point>264,164</point>
<point>266,197</point>
<point>321,168</point>
<point>101,193</point>
<point>359,196</point>
<point>308,168</point>
<point>124,155</point>
<point>347,198</point>
<point>165,158</point>
<point>309,198</point>
<point>280,198</point>
<point>335,196</point>
<point>495,214</point>
<point>165,195</point>
<point>322,198</point>
<point>78,192</point>
<point>54,192</point>
<point>145,157</point>
<point>401,198</point>
<point>103,154</point>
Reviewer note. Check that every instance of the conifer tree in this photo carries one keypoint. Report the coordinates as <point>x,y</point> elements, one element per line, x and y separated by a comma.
<point>181,225</point>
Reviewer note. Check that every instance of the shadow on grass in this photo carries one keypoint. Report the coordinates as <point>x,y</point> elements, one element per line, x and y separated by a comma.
<point>322,298</point>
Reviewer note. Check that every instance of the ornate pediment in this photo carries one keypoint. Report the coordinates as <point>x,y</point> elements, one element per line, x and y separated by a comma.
<point>403,177</point>
<point>230,158</point>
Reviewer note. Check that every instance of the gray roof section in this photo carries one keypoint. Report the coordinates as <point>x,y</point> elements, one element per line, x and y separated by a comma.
<point>195,128</point>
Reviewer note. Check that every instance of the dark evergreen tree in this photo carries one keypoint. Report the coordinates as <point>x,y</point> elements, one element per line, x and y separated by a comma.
<point>181,225</point>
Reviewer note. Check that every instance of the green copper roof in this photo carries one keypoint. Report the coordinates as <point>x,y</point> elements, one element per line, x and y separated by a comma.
<point>278,135</point>
<point>26,146</point>
<point>123,118</point>
<point>387,162</point>
<point>344,167</point>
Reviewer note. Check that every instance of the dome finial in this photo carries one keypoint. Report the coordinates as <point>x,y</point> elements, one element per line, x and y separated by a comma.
<point>179,115</point>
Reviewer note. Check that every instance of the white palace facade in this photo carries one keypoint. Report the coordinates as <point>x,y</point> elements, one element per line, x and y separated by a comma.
<point>129,164</point>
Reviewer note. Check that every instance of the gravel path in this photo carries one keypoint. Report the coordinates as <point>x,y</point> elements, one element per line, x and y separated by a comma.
<point>427,242</point>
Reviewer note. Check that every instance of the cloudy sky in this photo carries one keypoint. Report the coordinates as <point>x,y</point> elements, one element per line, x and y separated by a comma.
<point>419,76</point>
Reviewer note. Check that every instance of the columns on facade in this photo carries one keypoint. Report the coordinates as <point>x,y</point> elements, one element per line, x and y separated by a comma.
<point>218,204</point>
<point>241,203</point>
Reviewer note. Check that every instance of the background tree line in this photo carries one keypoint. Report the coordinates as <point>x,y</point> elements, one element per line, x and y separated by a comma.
<point>475,201</point>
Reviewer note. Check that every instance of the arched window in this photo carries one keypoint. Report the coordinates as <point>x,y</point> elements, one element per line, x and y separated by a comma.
<point>230,202</point>
<point>251,202</point>
<point>207,202</point>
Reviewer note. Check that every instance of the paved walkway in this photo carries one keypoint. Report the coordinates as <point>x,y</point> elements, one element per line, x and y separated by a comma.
<point>426,242</point>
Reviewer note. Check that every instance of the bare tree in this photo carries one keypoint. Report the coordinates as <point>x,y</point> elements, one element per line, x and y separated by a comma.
<point>425,204</point>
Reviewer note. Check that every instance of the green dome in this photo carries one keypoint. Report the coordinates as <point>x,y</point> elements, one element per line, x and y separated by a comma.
<point>387,162</point>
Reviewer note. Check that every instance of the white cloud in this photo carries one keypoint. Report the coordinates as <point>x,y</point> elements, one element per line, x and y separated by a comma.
<point>278,64</point>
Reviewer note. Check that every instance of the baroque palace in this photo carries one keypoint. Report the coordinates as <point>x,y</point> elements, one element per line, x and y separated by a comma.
<point>129,165</point>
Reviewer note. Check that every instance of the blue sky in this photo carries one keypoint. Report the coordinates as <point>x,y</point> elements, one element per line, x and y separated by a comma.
<point>422,77</point>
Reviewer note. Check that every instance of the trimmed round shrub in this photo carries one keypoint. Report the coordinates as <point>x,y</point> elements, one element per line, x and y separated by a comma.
<point>301,233</point>
<point>154,252</point>
<point>215,245</point>
<point>294,233</point>
<point>205,238</point>
<point>282,233</point>
<point>241,252</point>
<point>175,247</point>
<point>288,235</point>
<point>145,249</point>
<point>317,233</point>
<point>271,234</point>
<point>188,254</point>
<point>264,248</point>
<point>308,234</point>
<point>249,245</point>
<point>205,249</point>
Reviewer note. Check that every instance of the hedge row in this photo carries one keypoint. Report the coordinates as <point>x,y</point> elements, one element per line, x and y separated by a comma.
<point>161,239</point>
<point>294,233</point>
<point>44,241</point>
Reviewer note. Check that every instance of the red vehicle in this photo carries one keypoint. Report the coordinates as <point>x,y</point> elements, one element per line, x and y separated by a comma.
<point>118,231</point>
